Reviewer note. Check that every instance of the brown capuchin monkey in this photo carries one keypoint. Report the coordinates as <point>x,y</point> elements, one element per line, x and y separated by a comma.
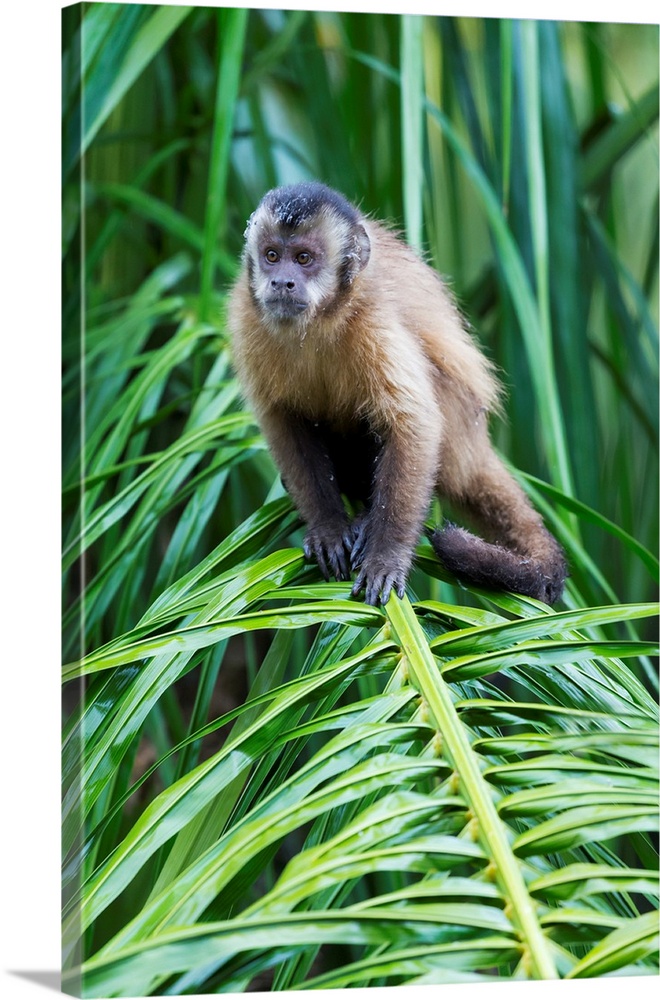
<point>366,384</point>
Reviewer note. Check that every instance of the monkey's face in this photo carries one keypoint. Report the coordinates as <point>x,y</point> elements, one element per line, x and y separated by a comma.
<point>301,267</point>
<point>290,276</point>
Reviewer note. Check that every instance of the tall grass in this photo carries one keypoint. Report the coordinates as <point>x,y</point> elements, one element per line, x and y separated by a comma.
<point>266,784</point>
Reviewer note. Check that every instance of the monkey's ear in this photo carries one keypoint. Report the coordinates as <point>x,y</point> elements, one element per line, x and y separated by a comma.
<point>362,247</point>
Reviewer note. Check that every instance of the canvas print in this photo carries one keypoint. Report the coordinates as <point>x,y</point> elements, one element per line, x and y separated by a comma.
<point>360,469</point>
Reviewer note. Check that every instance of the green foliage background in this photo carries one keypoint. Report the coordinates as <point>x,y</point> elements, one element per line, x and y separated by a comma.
<point>266,784</point>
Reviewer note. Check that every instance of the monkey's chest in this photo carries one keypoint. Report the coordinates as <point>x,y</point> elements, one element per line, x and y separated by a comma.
<point>323,386</point>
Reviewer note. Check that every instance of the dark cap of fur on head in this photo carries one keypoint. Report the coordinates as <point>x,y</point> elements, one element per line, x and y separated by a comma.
<point>295,204</point>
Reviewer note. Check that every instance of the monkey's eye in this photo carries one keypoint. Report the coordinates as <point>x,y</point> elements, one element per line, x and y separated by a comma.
<point>304,258</point>
<point>272,256</point>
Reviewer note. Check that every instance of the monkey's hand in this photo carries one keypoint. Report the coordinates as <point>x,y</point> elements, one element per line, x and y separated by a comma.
<point>330,545</point>
<point>378,576</point>
<point>380,569</point>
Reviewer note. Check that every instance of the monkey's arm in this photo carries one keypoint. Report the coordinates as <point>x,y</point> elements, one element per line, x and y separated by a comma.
<point>310,478</point>
<point>403,485</point>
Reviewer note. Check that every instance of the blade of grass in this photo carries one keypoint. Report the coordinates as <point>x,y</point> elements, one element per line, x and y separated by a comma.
<point>621,135</point>
<point>412,135</point>
<point>506,71</point>
<point>232,25</point>
<point>144,45</point>
<point>539,225</point>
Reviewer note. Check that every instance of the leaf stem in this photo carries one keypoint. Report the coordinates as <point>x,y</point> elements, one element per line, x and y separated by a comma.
<point>491,831</point>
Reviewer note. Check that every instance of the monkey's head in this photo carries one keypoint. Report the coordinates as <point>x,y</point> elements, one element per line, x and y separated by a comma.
<point>304,246</point>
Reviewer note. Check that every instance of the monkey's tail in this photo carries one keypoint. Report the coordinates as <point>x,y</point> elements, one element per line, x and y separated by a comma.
<point>485,564</point>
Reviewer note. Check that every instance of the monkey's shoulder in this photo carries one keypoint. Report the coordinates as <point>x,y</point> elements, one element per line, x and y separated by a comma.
<point>404,286</point>
<point>417,300</point>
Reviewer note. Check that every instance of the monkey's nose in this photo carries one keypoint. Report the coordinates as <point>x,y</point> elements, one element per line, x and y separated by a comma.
<point>278,284</point>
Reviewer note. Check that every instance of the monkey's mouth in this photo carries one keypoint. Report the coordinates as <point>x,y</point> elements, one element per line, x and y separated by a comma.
<point>285,307</point>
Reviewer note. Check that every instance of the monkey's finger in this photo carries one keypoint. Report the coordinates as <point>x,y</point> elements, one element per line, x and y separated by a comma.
<point>376,587</point>
<point>359,583</point>
<point>348,538</point>
<point>323,566</point>
<point>307,551</point>
<point>379,589</point>
<point>339,563</point>
<point>372,595</point>
<point>392,583</point>
<point>357,551</point>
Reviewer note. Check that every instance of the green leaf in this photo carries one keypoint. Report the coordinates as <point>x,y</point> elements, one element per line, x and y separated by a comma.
<point>579,880</point>
<point>542,654</point>
<point>636,940</point>
<point>615,141</point>
<point>137,969</point>
<point>194,637</point>
<point>583,825</point>
<point>145,42</point>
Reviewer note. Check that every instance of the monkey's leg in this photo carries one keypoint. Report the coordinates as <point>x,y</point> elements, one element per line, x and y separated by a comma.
<point>521,554</point>
<point>309,476</point>
<point>386,534</point>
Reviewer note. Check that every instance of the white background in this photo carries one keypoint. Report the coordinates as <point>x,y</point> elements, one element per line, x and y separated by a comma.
<point>29,488</point>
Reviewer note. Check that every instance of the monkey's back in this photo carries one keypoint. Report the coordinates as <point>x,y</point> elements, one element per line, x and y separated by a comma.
<point>413,291</point>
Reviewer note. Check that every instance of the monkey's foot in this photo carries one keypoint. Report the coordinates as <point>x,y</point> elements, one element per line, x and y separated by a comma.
<point>330,546</point>
<point>484,564</point>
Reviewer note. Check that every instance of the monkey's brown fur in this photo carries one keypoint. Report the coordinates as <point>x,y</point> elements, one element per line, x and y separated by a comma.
<point>365,382</point>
